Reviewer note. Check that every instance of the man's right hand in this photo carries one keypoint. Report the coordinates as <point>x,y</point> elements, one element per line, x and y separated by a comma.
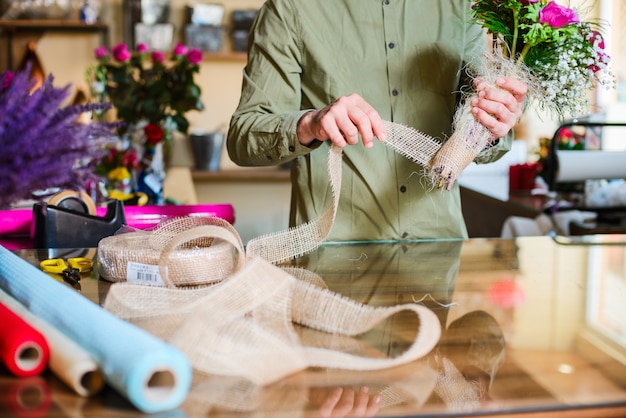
<point>341,122</point>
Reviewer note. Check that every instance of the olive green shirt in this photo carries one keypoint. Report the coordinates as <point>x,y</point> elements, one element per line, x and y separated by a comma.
<point>404,57</point>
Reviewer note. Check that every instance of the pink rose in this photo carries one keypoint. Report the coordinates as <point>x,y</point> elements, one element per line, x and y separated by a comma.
<point>142,48</point>
<point>597,40</point>
<point>158,57</point>
<point>121,53</point>
<point>557,16</point>
<point>194,56</point>
<point>101,52</point>
<point>180,49</point>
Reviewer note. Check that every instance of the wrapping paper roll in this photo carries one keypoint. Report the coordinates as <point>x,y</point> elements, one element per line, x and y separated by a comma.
<point>590,165</point>
<point>23,350</point>
<point>18,221</point>
<point>68,361</point>
<point>152,375</point>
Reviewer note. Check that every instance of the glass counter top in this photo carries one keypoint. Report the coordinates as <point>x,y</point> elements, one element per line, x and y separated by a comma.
<point>535,324</point>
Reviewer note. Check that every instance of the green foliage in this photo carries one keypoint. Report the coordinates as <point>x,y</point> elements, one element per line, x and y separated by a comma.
<point>143,89</point>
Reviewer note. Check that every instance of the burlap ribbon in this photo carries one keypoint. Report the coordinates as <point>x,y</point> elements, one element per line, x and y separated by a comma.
<point>238,318</point>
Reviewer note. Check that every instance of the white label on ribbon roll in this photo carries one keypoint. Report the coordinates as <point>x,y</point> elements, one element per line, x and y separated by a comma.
<point>139,273</point>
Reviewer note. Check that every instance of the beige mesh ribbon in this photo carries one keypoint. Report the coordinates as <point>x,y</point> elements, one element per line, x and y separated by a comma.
<point>413,144</point>
<point>442,162</point>
<point>238,319</point>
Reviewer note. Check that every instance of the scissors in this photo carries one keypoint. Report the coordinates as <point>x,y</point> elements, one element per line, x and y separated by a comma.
<point>70,271</point>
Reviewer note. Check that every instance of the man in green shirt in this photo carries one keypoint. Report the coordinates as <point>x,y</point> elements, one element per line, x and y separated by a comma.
<point>322,72</point>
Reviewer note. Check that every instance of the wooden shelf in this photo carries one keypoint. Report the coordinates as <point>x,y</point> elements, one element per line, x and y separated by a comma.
<point>51,24</point>
<point>243,175</point>
<point>13,26</point>
<point>224,56</point>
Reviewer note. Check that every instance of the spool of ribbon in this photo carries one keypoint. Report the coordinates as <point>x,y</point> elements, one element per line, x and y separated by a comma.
<point>23,349</point>
<point>152,375</point>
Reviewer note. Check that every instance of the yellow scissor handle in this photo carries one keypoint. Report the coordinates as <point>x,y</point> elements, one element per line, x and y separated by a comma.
<point>53,265</point>
<point>81,264</point>
<point>57,265</point>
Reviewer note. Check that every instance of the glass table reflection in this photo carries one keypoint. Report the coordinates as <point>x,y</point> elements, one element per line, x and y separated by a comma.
<point>529,325</point>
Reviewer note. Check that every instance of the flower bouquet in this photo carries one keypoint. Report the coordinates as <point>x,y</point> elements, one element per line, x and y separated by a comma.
<point>547,46</point>
<point>45,146</point>
<point>152,95</point>
<point>117,167</point>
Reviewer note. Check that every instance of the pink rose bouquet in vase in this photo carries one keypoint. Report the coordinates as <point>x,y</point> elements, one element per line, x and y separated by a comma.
<point>151,93</point>
<point>545,45</point>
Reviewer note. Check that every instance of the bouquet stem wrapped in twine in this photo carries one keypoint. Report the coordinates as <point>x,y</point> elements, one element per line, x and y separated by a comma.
<point>469,137</point>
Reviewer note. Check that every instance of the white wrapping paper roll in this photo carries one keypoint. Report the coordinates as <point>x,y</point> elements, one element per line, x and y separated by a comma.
<point>590,165</point>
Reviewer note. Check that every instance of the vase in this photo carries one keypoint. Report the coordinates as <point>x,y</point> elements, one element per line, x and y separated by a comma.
<point>152,174</point>
<point>207,150</point>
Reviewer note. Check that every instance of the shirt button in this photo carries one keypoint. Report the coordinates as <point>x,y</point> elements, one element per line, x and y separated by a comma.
<point>292,148</point>
<point>395,92</point>
<point>387,2</point>
<point>405,234</point>
<point>392,45</point>
<point>402,189</point>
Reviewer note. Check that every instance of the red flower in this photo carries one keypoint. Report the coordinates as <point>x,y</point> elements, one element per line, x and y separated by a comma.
<point>111,156</point>
<point>154,133</point>
<point>130,160</point>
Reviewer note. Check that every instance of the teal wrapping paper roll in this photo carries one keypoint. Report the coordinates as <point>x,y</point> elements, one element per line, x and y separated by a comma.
<point>153,375</point>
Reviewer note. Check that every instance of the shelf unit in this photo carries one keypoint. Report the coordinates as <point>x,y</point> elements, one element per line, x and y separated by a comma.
<point>243,175</point>
<point>224,56</point>
<point>11,27</point>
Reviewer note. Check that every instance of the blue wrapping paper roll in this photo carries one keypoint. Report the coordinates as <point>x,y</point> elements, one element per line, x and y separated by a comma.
<point>153,375</point>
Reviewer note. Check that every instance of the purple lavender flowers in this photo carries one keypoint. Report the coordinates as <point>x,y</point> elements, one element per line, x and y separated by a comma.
<point>42,145</point>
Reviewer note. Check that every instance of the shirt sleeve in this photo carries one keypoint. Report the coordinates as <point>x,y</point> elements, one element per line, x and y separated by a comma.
<point>262,130</point>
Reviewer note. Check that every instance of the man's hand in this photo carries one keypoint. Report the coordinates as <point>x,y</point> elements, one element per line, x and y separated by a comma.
<point>347,402</point>
<point>499,109</point>
<point>341,122</point>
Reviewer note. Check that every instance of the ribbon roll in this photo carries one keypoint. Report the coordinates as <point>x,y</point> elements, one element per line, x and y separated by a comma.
<point>23,349</point>
<point>152,375</point>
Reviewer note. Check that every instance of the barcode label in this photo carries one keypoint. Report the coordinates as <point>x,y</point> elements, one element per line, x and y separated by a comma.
<point>143,274</point>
